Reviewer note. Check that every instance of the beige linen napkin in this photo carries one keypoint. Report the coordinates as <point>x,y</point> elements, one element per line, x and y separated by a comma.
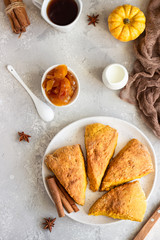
<point>143,87</point>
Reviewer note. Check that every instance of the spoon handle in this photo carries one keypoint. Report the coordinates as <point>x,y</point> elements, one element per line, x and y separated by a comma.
<point>15,74</point>
<point>44,111</point>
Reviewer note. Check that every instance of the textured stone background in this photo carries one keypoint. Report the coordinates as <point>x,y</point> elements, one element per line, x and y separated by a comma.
<point>86,49</point>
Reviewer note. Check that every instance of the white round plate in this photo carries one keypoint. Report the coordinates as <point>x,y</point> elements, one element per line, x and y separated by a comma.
<point>74,134</point>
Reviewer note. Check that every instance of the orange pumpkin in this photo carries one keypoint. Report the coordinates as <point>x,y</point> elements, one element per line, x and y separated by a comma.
<point>126,22</point>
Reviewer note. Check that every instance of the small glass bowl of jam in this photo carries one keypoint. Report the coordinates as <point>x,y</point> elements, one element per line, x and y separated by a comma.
<point>60,86</point>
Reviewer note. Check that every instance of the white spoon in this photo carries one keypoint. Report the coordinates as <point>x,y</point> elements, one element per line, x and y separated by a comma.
<point>44,111</point>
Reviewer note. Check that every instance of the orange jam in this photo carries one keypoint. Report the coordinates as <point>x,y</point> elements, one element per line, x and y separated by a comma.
<point>60,85</point>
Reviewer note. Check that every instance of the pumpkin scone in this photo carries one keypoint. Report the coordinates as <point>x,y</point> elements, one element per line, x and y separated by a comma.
<point>67,163</point>
<point>132,162</point>
<point>100,141</point>
<point>126,202</point>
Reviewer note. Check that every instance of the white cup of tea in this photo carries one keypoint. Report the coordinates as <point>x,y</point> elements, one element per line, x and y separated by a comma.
<point>44,4</point>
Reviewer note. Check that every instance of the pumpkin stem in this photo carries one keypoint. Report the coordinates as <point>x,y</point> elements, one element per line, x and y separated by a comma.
<point>126,21</point>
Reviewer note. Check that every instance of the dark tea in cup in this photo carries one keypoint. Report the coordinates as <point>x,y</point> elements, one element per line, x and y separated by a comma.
<point>62,12</point>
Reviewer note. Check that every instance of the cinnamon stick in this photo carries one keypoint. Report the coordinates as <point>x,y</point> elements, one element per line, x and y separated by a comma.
<point>55,196</point>
<point>21,14</point>
<point>12,18</point>
<point>70,200</point>
<point>65,202</point>
<point>18,16</point>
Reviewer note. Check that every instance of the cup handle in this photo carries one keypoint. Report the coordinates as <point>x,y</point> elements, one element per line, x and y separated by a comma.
<point>38,3</point>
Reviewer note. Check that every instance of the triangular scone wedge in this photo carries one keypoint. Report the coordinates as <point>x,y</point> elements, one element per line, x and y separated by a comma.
<point>132,162</point>
<point>126,202</point>
<point>67,163</point>
<point>100,141</point>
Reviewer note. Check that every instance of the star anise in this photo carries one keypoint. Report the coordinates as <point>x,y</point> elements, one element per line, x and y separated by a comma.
<point>23,136</point>
<point>93,19</point>
<point>49,223</point>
